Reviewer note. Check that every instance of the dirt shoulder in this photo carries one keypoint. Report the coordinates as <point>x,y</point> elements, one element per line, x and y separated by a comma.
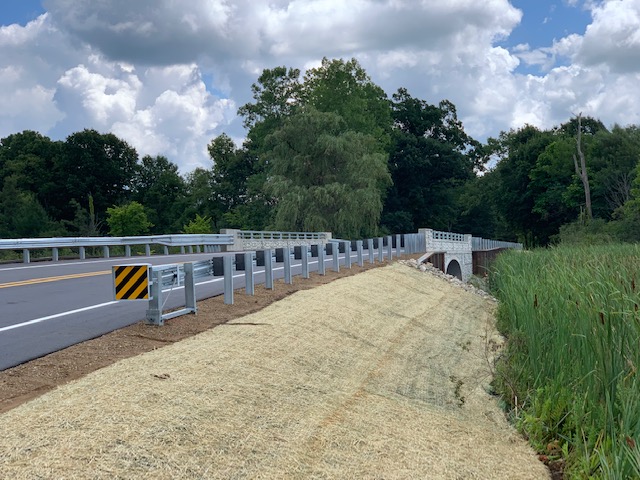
<point>379,375</point>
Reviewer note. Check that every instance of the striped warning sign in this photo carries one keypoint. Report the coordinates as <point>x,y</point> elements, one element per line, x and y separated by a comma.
<point>131,282</point>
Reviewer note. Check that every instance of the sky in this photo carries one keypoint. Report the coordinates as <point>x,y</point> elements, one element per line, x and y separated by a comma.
<point>168,77</point>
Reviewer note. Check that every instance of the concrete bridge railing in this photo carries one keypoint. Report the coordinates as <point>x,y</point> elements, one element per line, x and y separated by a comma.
<point>259,240</point>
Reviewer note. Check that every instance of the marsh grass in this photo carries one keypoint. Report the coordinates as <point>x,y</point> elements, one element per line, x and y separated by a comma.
<point>569,372</point>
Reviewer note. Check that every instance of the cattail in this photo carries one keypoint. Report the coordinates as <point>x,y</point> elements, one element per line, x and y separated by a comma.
<point>535,301</point>
<point>631,442</point>
<point>602,318</point>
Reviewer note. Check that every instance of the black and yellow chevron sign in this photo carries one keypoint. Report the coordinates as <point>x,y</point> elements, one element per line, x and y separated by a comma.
<point>131,282</point>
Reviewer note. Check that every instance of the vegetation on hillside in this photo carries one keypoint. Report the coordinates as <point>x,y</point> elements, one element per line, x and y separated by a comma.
<point>570,371</point>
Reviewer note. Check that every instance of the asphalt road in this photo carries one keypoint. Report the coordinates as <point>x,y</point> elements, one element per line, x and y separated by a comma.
<point>49,306</point>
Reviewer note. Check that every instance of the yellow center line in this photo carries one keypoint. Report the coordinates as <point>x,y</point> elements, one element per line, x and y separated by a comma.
<point>35,281</point>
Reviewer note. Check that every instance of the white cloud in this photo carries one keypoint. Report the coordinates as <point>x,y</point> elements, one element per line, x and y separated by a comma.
<point>613,39</point>
<point>138,68</point>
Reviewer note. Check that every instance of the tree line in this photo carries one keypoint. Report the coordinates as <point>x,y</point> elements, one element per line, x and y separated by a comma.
<point>327,150</point>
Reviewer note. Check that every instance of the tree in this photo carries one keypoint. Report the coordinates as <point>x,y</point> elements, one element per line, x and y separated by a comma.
<point>552,187</point>
<point>21,215</point>
<point>582,171</point>
<point>513,198</point>
<point>276,94</point>
<point>199,225</point>
<point>96,164</point>
<point>127,220</point>
<point>29,158</point>
<point>613,158</point>
<point>325,177</point>
<point>231,170</point>
<point>158,186</point>
<point>431,159</point>
<point>344,88</point>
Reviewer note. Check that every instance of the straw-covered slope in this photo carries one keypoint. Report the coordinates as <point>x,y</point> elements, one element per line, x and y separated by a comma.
<point>379,375</point>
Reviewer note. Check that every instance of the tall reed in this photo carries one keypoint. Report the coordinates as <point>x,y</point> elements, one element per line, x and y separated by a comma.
<point>569,372</point>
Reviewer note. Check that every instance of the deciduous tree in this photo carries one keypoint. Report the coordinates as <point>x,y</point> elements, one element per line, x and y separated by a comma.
<point>326,177</point>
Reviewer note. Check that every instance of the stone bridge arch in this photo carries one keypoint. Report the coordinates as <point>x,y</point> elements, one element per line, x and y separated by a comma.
<point>454,269</point>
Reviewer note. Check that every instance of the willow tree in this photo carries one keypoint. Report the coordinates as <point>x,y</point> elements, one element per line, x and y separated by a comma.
<point>326,177</point>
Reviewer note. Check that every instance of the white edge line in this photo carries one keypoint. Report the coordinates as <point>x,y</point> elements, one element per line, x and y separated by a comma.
<point>57,315</point>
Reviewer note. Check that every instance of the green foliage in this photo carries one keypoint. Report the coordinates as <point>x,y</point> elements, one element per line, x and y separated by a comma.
<point>326,178</point>
<point>127,220</point>
<point>96,164</point>
<point>573,326</point>
<point>344,88</point>
<point>431,158</point>
<point>514,199</point>
<point>595,232</point>
<point>21,215</point>
<point>158,186</point>
<point>246,181</point>
<point>199,225</point>
<point>231,168</point>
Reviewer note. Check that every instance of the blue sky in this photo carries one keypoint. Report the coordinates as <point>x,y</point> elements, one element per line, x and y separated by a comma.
<point>169,76</point>
<point>19,11</point>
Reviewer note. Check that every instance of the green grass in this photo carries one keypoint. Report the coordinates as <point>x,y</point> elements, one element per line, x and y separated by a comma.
<point>569,372</point>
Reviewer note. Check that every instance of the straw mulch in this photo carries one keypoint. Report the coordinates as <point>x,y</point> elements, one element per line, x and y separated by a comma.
<point>379,375</point>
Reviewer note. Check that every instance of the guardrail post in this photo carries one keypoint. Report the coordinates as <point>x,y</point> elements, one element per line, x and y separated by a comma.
<point>286,252</point>
<point>197,248</point>
<point>249,286</point>
<point>83,253</point>
<point>189,288</point>
<point>182,249</point>
<point>147,250</point>
<point>54,254</point>
<point>154,313</point>
<point>380,249</point>
<point>105,250</point>
<point>190,249</point>
<point>321,266</point>
<point>370,249</point>
<point>347,254</point>
<point>26,257</point>
<point>127,250</point>
<point>166,250</point>
<point>227,267</point>
<point>335,251</point>
<point>389,248</point>
<point>398,245</point>
<point>305,260</point>
<point>268,269</point>
<point>359,250</point>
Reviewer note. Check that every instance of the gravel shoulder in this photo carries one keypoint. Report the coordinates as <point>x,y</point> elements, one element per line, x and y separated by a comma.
<point>378,375</point>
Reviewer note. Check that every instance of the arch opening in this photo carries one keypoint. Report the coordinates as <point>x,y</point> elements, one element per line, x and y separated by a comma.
<point>454,269</point>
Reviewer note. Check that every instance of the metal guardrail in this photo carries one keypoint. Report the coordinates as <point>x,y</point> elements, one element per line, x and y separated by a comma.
<point>479,244</point>
<point>70,242</point>
<point>209,241</point>
<point>172,276</point>
<point>167,277</point>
